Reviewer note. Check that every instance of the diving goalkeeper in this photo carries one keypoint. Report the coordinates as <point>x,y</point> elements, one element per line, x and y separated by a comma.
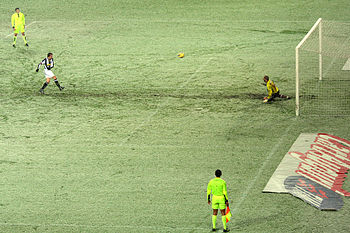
<point>217,187</point>
<point>272,89</point>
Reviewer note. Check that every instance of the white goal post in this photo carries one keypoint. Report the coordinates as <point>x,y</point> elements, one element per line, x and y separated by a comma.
<point>322,66</point>
<point>297,81</point>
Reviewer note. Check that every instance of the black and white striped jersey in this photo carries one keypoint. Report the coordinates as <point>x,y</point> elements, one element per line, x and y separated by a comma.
<point>48,64</point>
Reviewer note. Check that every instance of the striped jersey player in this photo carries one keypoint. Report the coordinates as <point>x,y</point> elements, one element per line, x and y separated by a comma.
<point>48,64</point>
<point>18,22</point>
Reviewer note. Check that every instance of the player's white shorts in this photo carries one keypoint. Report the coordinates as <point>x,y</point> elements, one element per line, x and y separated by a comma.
<point>48,73</point>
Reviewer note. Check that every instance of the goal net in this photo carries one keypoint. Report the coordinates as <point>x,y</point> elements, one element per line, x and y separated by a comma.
<point>323,70</point>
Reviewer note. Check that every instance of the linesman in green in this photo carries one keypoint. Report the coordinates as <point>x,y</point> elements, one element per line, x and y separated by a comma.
<point>18,22</point>
<point>217,187</point>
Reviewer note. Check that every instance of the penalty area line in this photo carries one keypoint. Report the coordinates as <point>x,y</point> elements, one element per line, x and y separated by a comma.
<point>267,159</point>
<point>26,27</point>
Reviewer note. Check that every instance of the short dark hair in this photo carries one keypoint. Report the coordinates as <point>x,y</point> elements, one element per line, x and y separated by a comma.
<point>266,77</point>
<point>16,9</point>
<point>49,54</point>
<point>218,173</point>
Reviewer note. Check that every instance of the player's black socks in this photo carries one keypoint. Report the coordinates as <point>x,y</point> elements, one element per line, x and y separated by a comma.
<point>57,84</point>
<point>44,85</point>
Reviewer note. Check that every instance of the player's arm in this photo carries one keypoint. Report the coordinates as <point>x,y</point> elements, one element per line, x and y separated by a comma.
<point>270,92</point>
<point>53,64</point>
<point>224,191</point>
<point>24,20</point>
<point>208,192</point>
<point>37,69</point>
<point>13,21</point>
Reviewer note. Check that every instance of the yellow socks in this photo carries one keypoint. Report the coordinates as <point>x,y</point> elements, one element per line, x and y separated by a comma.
<point>214,221</point>
<point>224,221</point>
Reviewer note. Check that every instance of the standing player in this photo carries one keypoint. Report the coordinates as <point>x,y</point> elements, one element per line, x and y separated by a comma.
<point>272,90</point>
<point>48,64</point>
<point>18,24</point>
<point>217,186</point>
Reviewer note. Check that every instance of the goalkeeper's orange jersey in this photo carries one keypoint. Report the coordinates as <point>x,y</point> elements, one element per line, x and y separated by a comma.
<point>271,88</point>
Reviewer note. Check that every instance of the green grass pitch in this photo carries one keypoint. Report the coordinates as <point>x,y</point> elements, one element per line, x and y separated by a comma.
<point>132,141</point>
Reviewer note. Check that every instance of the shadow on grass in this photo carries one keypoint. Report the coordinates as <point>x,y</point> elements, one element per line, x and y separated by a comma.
<point>301,31</point>
<point>137,94</point>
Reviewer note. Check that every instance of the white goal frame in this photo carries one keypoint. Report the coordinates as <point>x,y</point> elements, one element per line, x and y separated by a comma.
<point>318,25</point>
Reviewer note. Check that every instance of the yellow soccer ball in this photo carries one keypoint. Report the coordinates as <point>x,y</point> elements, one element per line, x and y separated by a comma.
<point>181,55</point>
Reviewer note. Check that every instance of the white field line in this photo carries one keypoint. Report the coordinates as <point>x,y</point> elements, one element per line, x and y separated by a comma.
<point>26,27</point>
<point>163,103</point>
<point>267,159</point>
<point>189,21</point>
<point>100,226</point>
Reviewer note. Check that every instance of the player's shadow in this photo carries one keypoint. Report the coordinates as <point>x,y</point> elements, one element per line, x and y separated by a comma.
<point>247,96</point>
<point>215,96</point>
<point>137,94</point>
<point>69,94</point>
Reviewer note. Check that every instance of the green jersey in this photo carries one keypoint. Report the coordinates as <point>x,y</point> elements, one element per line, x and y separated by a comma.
<point>217,186</point>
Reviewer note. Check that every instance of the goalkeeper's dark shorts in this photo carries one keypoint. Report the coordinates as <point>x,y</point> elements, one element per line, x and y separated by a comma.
<point>275,95</point>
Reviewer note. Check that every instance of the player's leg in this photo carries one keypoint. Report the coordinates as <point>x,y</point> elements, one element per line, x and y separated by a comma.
<point>274,95</point>
<point>270,99</point>
<point>22,31</point>
<point>215,206</point>
<point>283,96</point>
<point>45,85</point>
<point>223,218</point>
<point>14,39</point>
<point>57,83</point>
<point>222,207</point>
<point>24,38</point>
<point>213,218</point>
<point>266,99</point>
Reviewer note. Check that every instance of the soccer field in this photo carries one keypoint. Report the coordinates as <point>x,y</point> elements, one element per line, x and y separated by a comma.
<point>132,141</point>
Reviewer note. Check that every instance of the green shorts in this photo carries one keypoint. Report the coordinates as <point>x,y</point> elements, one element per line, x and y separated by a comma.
<point>218,202</point>
<point>19,29</point>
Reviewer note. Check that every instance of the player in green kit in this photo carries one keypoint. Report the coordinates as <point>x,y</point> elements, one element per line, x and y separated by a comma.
<point>217,187</point>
